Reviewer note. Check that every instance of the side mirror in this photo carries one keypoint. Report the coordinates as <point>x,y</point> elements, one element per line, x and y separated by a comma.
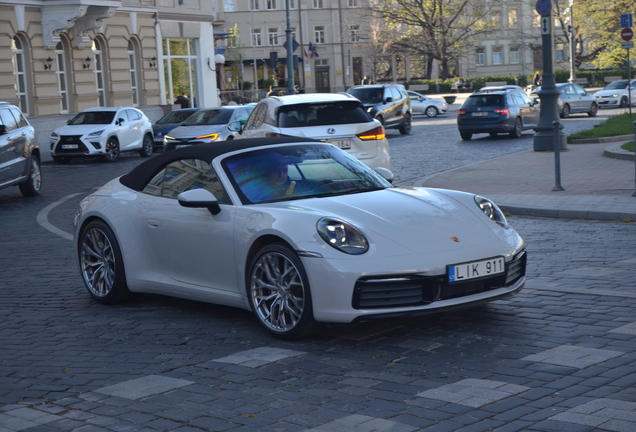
<point>68,121</point>
<point>389,99</point>
<point>120,121</point>
<point>536,101</point>
<point>386,174</point>
<point>3,129</point>
<point>199,198</point>
<point>236,126</point>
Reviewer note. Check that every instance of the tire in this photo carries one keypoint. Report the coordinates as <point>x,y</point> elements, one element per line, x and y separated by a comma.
<point>565,112</point>
<point>147,146</point>
<point>624,102</point>
<point>32,186</point>
<point>279,294</point>
<point>111,150</point>
<point>593,110</point>
<point>62,160</point>
<point>380,119</point>
<point>405,127</point>
<point>101,264</point>
<point>518,130</point>
<point>431,112</point>
<point>466,136</point>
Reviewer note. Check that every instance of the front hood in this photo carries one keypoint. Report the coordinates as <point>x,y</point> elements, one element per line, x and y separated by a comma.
<point>164,127</point>
<point>610,92</point>
<point>195,131</point>
<point>80,129</point>
<point>419,220</point>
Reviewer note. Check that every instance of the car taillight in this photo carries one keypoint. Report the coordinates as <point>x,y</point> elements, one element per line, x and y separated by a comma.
<point>502,111</point>
<point>374,134</point>
<point>460,112</point>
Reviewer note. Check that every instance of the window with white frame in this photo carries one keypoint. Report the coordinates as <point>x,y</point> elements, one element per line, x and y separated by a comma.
<point>62,78</point>
<point>496,56</point>
<point>495,18</point>
<point>354,33</point>
<point>480,59</point>
<point>255,5</point>
<point>20,74</point>
<point>353,3</point>
<point>257,37</point>
<point>318,4</point>
<point>132,61</point>
<point>272,36</point>
<point>319,34</point>
<point>514,55</point>
<point>559,52</point>
<point>271,4</point>
<point>512,18</point>
<point>229,6</point>
<point>99,71</point>
<point>322,62</point>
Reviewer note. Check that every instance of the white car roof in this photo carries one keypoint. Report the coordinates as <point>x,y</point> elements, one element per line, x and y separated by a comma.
<point>108,109</point>
<point>312,98</point>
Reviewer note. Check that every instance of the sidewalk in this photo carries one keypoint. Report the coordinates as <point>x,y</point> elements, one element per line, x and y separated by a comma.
<point>596,186</point>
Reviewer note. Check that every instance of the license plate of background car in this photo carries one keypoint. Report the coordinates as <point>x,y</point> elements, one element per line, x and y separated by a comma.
<point>480,114</point>
<point>476,269</point>
<point>344,144</point>
<point>69,146</point>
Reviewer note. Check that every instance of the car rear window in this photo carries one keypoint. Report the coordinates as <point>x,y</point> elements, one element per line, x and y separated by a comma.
<point>321,114</point>
<point>484,100</point>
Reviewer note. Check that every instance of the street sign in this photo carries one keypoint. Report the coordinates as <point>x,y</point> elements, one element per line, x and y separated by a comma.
<point>544,7</point>
<point>545,25</point>
<point>626,20</point>
<point>627,45</point>
<point>627,34</point>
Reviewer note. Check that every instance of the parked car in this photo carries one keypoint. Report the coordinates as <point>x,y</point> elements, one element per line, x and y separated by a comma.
<point>208,125</point>
<point>298,231</point>
<point>339,119</point>
<point>19,152</point>
<point>390,104</point>
<point>170,121</point>
<point>497,112</point>
<point>421,104</point>
<point>615,94</point>
<point>573,99</point>
<point>104,132</point>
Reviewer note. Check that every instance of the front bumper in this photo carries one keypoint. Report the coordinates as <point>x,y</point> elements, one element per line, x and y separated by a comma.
<point>77,145</point>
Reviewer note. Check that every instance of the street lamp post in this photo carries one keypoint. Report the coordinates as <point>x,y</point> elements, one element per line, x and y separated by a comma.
<point>290,52</point>
<point>572,43</point>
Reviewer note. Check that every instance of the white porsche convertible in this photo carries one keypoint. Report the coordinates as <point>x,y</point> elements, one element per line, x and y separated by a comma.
<point>297,231</point>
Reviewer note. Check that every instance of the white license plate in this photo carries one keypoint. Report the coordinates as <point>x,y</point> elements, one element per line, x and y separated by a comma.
<point>480,114</point>
<point>69,146</point>
<point>476,269</point>
<point>344,144</point>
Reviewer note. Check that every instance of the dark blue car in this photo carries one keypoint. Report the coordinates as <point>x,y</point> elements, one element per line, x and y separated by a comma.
<point>170,121</point>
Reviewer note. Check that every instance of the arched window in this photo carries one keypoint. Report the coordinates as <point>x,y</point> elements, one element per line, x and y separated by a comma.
<point>100,79</point>
<point>19,71</point>
<point>132,59</point>
<point>62,77</point>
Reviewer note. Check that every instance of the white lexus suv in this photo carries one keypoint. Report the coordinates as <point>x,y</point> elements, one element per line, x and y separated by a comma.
<point>339,119</point>
<point>103,132</point>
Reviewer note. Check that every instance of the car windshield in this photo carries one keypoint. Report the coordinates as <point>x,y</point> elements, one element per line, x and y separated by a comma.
<point>93,117</point>
<point>299,171</point>
<point>484,100</point>
<point>367,95</point>
<point>174,117</point>
<point>616,85</point>
<point>209,117</point>
<point>322,114</point>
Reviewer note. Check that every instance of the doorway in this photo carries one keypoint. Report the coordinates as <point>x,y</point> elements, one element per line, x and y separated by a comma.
<point>322,80</point>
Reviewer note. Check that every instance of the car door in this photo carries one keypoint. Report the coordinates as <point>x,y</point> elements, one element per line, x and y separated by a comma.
<point>135,128</point>
<point>531,112</point>
<point>583,99</point>
<point>190,245</point>
<point>12,145</point>
<point>569,97</point>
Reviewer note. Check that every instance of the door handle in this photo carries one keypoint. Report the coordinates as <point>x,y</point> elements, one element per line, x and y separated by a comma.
<point>154,223</point>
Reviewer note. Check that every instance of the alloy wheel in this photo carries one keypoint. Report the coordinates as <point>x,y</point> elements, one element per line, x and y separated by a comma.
<point>97,262</point>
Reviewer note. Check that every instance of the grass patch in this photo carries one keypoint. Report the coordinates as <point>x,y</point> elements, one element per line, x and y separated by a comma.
<point>629,146</point>
<point>617,125</point>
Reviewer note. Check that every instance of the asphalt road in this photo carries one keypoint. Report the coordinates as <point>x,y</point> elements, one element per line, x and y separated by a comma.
<point>560,356</point>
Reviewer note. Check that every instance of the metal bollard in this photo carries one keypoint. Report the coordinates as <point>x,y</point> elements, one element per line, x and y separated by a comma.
<point>557,155</point>
<point>634,194</point>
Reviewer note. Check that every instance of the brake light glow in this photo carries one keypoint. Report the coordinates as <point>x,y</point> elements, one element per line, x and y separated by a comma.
<point>374,134</point>
<point>502,111</point>
<point>210,137</point>
<point>461,112</point>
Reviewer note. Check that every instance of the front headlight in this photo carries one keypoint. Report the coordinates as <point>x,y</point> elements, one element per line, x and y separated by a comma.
<point>54,135</point>
<point>96,133</point>
<point>342,236</point>
<point>491,210</point>
<point>168,137</point>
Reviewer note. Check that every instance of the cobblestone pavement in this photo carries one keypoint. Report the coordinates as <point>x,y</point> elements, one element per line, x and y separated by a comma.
<point>559,356</point>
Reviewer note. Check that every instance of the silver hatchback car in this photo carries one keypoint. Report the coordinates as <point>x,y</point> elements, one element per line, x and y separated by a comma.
<point>573,99</point>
